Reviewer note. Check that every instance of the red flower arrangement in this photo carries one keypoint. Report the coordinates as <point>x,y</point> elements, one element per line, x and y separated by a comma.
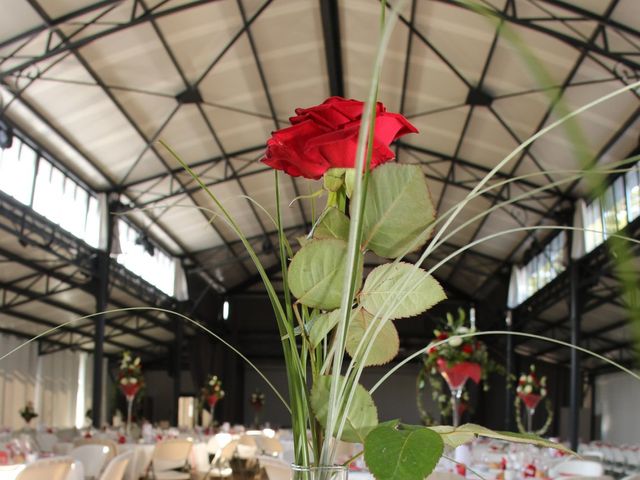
<point>212,390</point>
<point>130,379</point>
<point>531,389</point>
<point>326,136</point>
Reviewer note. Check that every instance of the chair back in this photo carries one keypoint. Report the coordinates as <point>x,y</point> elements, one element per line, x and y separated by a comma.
<point>110,444</point>
<point>49,468</point>
<point>170,454</point>
<point>213,446</point>
<point>275,468</point>
<point>67,434</point>
<point>92,457</point>
<point>247,447</point>
<point>444,476</point>
<point>577,468</point>
<point>269,446</point>
<point>117,466</point>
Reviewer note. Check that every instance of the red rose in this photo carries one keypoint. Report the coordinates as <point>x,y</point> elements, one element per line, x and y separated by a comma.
<point>467,348</point>
<point>326,136</point>
<point>443,336</point>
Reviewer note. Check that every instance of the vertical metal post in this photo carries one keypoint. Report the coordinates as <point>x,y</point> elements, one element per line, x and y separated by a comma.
<point>593,428</point>
<point>177,369</point>
<point>509,398</point>
<point>576,384</point>
<point>102,300</point>
<point>101,281</point>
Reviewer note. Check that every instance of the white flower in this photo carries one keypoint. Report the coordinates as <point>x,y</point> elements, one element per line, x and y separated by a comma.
<point>124,381</point>
<point>528,389</point>
<point>529,379</point>
<point>133,380</point>
<point>523,378</point>
<point>519,389</point>
<point>543,392</point>
<point>543,382</point>
<point>462,330</point>
<point>442,399</point>
<point>137,361</point>
<point>533,368</point>
<point>211,382</point>
<point>455,341</point>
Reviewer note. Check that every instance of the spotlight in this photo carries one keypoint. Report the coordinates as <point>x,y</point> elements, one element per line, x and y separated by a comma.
<point>6,136</point>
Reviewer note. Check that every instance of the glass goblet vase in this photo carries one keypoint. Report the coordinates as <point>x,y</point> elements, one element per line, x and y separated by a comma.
<point>531,401</point>
<point>456,376</point>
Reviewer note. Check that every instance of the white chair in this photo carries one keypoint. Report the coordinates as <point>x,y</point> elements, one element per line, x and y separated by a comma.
<point>275,468</point>
<point>111,445</point>
<point>212,446</point>
<point>247,447</point>
<point>220,465</point>
<point>577,468</point>
<point>269,446</point>
<point>92,457</point>
<point>169,457</point>
<point>117,466</point>
<point>50,468</point>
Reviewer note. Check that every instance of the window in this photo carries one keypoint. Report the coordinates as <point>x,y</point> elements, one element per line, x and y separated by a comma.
<point>35,182</point>
<point>145,259</point>
<point>544,267</point>
<point>619,206</point>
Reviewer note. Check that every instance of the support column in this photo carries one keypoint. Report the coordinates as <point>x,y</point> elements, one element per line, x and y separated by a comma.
<point>177,369</point>
<point>102,300</point>
<point>509,397</point>
<point>593,427</point>
<point>576,384</point>
<point>101,282</point>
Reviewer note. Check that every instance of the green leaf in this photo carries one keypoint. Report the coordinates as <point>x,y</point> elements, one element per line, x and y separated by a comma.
<point>361,418</point>
<point>316,273</point>
<point>385,345</point>
<point>409,454</point>
<point>451,437</point>
<point>422,290</point>
<point>399,210</point>
<point>461,435</point>
<point>334,224</point>
<point>322,325</point>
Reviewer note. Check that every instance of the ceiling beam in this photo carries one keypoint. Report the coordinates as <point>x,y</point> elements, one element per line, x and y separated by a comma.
<point>330,16</point>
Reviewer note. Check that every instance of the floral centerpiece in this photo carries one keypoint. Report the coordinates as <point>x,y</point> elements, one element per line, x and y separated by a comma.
<point>130,381</point>
<point>531,390</point>
<point>335,319</point>
<point>456,359</point>
<point>212,392</point>
<point>256,400</point>
<point>28,412</point>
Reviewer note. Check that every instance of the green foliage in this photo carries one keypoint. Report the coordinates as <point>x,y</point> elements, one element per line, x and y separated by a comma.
<point>385,345</point>
<point>399,211</point>
<point>316,273</point>
<point>419,290</point>
<point>405,453</point>
<point>334,224</point>
<point>361,418</point>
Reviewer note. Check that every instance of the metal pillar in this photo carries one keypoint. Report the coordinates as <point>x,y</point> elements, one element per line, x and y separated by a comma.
<point>594,429</point>
<point>102,300</point>
<point>509,398</point>
<point>177,369</point>
<point>576,384</point>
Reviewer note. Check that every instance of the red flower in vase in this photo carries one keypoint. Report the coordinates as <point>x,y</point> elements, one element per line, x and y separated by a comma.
<point>212,399</point>
<point>326,136</point>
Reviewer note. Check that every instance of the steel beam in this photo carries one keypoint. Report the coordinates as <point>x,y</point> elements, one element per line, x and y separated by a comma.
<point>576,375</point>
<point>330,16</point>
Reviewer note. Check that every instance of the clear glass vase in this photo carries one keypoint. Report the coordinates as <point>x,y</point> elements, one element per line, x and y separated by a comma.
<point>337,472</point>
